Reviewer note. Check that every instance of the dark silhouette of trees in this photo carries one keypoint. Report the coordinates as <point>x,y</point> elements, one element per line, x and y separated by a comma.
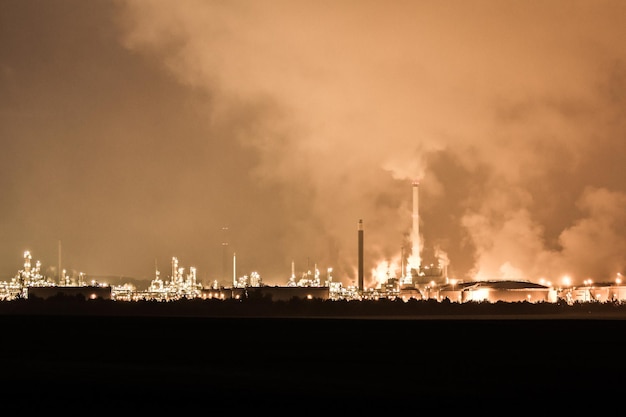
<point>262,305</point>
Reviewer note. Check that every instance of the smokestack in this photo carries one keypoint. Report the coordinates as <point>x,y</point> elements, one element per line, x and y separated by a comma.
<point>59,270</point>
<point>361,255</point>
<point>416,227</point>
<point>234,270</point>
<point>225,254</point>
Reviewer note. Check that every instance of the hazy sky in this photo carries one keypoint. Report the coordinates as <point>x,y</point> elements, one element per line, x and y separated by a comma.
<point>135,131</point>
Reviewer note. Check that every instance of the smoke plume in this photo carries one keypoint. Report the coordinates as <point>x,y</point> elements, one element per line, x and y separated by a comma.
<point>511,116</point>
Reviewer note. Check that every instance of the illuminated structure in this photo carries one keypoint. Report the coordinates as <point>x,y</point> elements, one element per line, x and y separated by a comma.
<point>252,280</point>
<point>360,237</point>
<point>415,232</point>
<point>292,277</point>
<point>180,286</point>
<point>308,278</point>
<point>494,291</point>
<point>234,269</point>
<point>414,260</point>
<point>30,277</point>
<point>225,274</point>
<point>418,278</point>
<point>595,292</point>
<point>30,281</point>
<point>59,270</point>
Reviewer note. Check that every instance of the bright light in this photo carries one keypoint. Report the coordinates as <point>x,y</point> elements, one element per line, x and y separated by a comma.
<point>480,294</point>
<point>567,281</point>
<point>383,271</point>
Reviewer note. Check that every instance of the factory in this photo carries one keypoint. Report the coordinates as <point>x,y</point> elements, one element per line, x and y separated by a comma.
<point>498,290</point>
<point>431,282</point>
<point>417,281</point>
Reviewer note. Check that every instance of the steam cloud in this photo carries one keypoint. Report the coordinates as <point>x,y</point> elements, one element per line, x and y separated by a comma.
<point>511,115</point>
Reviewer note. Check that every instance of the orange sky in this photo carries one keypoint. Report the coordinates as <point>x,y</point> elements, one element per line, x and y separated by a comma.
<point>135,131</point>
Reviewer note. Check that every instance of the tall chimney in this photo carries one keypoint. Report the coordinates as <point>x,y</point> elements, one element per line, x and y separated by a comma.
<point>415,234</point>
<point>225,254</point>
<point>361,255</point>
<point>59,270</point>
<point>234,270</point>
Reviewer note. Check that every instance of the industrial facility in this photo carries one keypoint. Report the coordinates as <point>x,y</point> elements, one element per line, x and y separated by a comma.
<point>29,282</point>
<point>417,280</point>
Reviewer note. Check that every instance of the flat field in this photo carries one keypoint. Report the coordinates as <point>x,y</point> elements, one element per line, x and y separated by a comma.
<point>177,362</point>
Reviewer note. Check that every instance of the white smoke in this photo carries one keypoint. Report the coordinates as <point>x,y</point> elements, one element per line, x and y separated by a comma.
<point>350,101</point>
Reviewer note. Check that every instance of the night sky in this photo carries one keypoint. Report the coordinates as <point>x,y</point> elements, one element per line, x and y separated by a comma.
<point>136,131</point>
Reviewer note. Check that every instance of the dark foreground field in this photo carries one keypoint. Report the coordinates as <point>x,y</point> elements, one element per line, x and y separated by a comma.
<point>305,365</point>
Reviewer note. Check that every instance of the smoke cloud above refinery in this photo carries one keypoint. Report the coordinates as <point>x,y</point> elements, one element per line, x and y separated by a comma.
<point>136,131</point>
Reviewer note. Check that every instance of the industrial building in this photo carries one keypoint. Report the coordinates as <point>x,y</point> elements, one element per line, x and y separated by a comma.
<point>268,292</point>
<point>87,292</point>
<point>417,280</point>
<point>279,293</point>
<point>497,290</point>
<point>599,293</point>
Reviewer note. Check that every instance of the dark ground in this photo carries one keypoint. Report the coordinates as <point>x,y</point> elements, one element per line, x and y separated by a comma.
<point>302,366</point>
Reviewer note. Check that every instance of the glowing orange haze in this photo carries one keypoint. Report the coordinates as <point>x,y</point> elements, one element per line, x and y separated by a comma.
<point>289,121</point>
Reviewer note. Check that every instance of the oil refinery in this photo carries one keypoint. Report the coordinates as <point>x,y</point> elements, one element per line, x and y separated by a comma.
<point>429,284</point>
<point>415,280</point>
